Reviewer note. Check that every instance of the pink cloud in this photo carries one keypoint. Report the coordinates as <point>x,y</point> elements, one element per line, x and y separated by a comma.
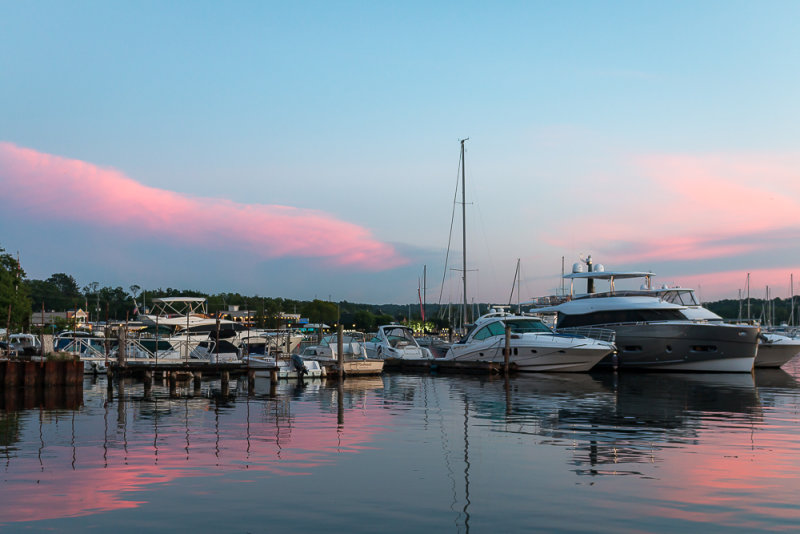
<point>712,286</point>
<point>43,185</point>
<point>689,207</point>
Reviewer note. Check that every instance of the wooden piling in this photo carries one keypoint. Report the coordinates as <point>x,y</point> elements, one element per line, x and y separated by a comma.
<point>340,350</point>
<point>51,374</point>
<point>31,373</point>
<point>73,372</point>
<point>251,381</point>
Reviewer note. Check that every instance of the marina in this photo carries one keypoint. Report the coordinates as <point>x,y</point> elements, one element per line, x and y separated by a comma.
<point>600,452</point>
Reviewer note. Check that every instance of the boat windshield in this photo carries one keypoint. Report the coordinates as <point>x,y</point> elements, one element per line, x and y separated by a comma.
<point>399,335</point>
<point>521,326</point>
<point>684,298</point>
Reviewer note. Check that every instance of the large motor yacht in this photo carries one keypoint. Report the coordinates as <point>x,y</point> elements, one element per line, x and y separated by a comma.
<point>651,332</point>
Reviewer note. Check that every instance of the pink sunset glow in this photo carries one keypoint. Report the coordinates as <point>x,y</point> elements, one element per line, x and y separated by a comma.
<point>67,190</point>
<point>686,207</point>
<point>89,480</point>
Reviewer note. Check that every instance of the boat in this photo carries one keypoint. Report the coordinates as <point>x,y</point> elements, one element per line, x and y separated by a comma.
<point>395,341</point>
<point>26,344</point>
<point>533,346</point>
<point>89,348</point>
<point>774,349</point>
<point>294,367</point>
<point>354,355</point>
<point>652,333</point>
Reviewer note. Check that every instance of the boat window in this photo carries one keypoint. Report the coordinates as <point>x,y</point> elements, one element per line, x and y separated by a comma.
<point>397,335</point>
<point>619,316</point>
<point>490,330</point>
<point>527,325</point>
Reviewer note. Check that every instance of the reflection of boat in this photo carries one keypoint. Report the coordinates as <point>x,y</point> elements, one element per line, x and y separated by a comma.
<point>355,360</point>
<point>396,341</point>
<point>653,334</point>
<point>533,345</point>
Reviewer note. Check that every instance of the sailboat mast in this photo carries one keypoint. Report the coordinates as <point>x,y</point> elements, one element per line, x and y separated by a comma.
<point>464,230</point>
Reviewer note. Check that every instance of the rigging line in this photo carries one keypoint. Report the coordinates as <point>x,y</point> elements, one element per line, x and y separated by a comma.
<point>513,284</point>
<point>450,237</point>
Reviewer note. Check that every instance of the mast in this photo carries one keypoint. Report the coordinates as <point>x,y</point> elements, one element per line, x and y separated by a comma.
<point>791,304</point>
<point>748,297</point>
<point>464,231</point>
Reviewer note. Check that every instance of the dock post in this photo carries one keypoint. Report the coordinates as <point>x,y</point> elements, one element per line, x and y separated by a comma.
<point>273,375</point>
<point>340,350</point>
<point>110,381</point>
<point>121,351</point>
<point>225,383</point>
<point>173,384</point>
<point>148,382</point>
<point>507,350</point>
<point>196,376</point>
<point>251,381</point>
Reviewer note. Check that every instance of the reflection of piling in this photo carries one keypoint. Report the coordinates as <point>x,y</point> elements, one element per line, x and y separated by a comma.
<point>340,404</point>
<point>507,350</point>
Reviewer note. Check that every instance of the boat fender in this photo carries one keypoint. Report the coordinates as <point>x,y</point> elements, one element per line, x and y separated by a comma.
<point>379,350</point>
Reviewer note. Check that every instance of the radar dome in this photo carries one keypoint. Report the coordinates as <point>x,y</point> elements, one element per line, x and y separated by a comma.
<point>577,267</point>
<point>599,268</point>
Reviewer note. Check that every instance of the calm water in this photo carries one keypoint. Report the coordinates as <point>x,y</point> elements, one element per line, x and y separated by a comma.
<point>410,453</point>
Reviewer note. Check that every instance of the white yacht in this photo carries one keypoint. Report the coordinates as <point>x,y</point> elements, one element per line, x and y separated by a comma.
<point>653,333</point>
<point>354,353</point>
<point>396,341</point>
<point>534,346</point>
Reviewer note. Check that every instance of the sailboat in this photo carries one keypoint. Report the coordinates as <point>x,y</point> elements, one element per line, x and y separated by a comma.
<point>533,346</point>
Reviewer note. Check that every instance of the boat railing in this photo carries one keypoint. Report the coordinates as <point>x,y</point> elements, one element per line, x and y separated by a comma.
<point>600,334</point>
<point>180,349</point>
<point>93,347</point>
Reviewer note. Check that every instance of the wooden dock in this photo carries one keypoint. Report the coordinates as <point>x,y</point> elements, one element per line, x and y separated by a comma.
<point>445,366</point>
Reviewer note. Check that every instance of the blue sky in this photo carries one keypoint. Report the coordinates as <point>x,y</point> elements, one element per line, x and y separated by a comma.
<point>653,136</point>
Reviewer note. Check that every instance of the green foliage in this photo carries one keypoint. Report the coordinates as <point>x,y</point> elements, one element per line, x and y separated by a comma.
<point>320,311</point>
<point>15,304</point>
<point>364,320</point>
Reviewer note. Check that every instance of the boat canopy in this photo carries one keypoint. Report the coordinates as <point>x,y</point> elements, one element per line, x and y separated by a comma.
<point>581,306</point>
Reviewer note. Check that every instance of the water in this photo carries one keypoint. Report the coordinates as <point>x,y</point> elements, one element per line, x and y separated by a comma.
<point>410,453</point>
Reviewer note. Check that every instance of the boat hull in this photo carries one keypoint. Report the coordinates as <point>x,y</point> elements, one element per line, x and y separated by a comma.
<point>557,356</point>
<point>354,367</point>
<point>776,351</point>
<point>679,346</point>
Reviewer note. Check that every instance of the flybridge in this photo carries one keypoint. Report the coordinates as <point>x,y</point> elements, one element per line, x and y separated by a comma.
<point>610,276</point>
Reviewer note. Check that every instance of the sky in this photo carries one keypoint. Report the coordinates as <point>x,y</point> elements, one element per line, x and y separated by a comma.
<point>311,149</point>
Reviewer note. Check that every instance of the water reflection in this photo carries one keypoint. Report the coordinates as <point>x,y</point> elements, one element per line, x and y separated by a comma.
<point>158,434</point>
<point>470,451</point>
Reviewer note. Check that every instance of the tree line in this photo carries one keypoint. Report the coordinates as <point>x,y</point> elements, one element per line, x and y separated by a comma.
<point>21,297</point>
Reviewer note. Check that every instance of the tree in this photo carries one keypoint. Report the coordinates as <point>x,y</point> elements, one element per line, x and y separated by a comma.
<point>320,311</point>
<point>364,320</point>
<point>15,305</point>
